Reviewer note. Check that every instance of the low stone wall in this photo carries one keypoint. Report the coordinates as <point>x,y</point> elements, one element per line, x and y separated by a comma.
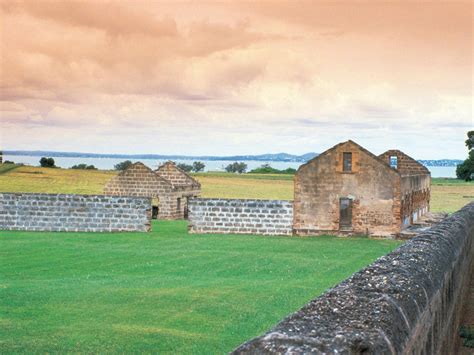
<point>74,213</point>
<point>408,301</point>
<point>265,217</point>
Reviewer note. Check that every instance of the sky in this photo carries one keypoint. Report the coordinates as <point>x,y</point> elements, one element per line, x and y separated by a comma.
<point>235,77</point>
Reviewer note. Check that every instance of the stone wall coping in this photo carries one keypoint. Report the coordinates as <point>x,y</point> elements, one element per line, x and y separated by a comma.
<point>239,199</point>
<point>428,175</point>
<point>70,195</point>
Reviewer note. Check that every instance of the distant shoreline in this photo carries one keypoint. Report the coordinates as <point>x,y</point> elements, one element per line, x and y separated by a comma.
<point>279,157</point>
<point>262,157</point>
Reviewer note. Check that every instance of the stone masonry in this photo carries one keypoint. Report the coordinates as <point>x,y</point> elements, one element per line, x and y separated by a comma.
<point>415,186</point>
<point>184,185</point>
<point>171,186</point>
<point>264,217</point>
<point>366,196</point>
<point>74,213</point>
<point>407,302</point>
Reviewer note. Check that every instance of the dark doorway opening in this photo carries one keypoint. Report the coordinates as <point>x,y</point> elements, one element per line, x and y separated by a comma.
<point>155,207</point>
<point>186,210</point>
<point>345,213</point>
<point>154,212</point>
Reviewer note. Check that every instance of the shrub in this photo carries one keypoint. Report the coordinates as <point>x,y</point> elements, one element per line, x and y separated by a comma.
<point>267,169</point>
<point>185,167</point>
<point>84,167</point>
<point>47,162</point>
<point>467,333</point>
<point>123,165</point>
<point>8,162</point>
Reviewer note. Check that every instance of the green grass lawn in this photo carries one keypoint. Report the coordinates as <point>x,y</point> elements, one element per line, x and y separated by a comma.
<point>164,291</point>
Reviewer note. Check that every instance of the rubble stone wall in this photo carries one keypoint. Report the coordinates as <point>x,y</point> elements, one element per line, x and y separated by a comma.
<point>407,302</point>
<point>74,213</point>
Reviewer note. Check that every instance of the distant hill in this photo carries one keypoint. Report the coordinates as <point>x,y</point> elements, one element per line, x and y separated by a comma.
<point>262,157</point>
<point>441,162</point>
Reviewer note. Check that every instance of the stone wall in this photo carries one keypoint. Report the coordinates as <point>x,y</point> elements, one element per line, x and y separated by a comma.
<point>264,217</point>
<point>416,195</point>
<point>74,213</point>
<point>405,164</point>
<point>176,176</point>
<point>137,180</point>
<point>140,180</point>
<point>407,302</point>
<point>372,186</point>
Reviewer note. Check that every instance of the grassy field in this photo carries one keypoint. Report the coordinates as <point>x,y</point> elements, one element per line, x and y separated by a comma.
<point>261,186</point>
<point>50,180</point>
<point>447,195</point>
<point>7,167</point>
<point>164,291</point>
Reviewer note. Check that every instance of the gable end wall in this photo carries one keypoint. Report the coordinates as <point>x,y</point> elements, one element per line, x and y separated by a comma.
<point>373,186</point>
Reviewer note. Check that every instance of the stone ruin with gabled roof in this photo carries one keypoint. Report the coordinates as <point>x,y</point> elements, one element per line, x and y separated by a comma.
<point>169,187</point>
<point>349,190</point>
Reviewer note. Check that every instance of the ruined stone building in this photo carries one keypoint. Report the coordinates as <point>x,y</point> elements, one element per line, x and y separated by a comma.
<point>349,190</point>
<point>169,187</point>
<point>183,184</point>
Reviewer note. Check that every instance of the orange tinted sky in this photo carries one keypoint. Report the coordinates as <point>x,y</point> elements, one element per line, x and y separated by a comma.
<point>236,77</point>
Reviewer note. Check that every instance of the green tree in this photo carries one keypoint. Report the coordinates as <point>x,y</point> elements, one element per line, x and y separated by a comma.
<point>465,170</point>
<point>470,140</point>
<point>123,165</point>
<point>198,166</point>
<point>185,167</point>
<point>236,168</point>
<point>47,162</point>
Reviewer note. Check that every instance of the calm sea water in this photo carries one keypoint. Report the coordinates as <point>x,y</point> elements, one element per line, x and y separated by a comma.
<point>211,165</point>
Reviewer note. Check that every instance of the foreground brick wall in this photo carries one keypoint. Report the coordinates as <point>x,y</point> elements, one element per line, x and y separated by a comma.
<point>265,217</point>
<point>407,302</point>
<point>74,213</point>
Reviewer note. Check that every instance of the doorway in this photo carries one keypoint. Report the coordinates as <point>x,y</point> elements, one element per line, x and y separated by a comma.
<point>186,210</point>
<point>155,208</point>
<point>345,213</point>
